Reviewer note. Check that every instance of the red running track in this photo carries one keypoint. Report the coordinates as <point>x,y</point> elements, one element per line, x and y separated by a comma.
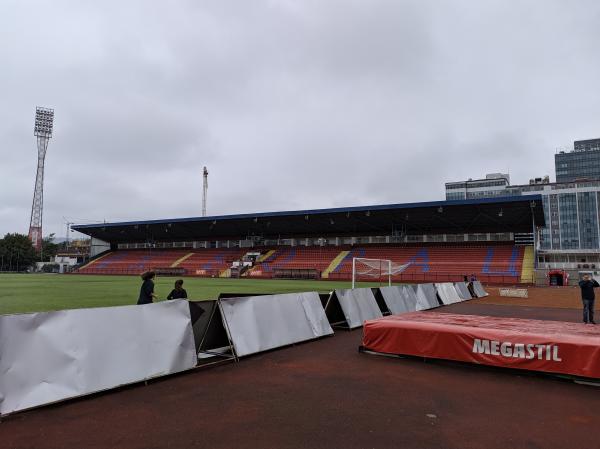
<point>324,394</point>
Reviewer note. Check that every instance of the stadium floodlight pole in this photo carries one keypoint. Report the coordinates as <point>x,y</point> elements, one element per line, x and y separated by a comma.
<point>204,190</point>
<point>44,122</point>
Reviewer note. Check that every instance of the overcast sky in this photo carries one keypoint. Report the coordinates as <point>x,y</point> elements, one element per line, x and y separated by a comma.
<point>290,104</point>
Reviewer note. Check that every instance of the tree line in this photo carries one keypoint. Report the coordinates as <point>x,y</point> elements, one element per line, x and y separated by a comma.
<point>17,253</point>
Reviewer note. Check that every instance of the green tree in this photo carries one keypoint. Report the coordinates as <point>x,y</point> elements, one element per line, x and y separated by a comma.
<point>16,252</point>
<point>49,248</point>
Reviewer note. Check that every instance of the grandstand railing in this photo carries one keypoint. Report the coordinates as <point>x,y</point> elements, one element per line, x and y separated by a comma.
<point>432,277</point>
<point>137,272</point>
<point>407,278</point>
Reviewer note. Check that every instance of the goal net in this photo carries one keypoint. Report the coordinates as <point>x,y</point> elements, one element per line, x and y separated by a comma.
<point>372,269</point>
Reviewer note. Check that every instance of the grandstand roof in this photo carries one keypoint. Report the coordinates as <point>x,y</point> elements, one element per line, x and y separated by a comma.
<point>502,214</point>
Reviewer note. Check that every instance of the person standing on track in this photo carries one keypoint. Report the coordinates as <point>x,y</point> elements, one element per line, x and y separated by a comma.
<point>147,290</point>
<point>178,292</point>
<point>587,286</point>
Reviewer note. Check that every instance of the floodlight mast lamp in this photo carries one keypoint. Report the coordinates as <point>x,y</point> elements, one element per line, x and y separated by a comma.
<point>44,122</point>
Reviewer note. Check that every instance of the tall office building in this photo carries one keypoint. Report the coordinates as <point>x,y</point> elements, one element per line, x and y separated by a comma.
<point>581,163</point>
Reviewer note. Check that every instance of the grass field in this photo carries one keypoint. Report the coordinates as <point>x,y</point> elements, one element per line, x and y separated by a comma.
<point>21,293</point>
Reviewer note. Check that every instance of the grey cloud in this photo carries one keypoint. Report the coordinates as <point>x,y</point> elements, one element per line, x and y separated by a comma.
<point>290,104</point>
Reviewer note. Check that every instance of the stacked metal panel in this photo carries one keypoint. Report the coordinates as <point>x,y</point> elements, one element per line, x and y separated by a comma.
<point>357,305</point>
<point>51,356</point>
<point>447,293</point>
<point>411,294</point>
<point>398,300</point>
<point>479,291</point>
<point>426,297</point>
<point>462,290</point>
<point>260,323</point>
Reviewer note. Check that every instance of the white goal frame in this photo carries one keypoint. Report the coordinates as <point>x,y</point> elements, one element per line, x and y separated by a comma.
<point>387,261</point>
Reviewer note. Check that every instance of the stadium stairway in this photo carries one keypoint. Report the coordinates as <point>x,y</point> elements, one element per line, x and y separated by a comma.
<point>181,259</point>
<point>527,269</point>
<point>334,263</point>
<point>266,256</point>
<point>92,262</point>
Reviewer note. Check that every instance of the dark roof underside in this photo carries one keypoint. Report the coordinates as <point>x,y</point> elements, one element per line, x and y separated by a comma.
<point>504,214</point>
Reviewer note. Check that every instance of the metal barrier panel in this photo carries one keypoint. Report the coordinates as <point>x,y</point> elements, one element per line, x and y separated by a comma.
<point>260,323</point>
<point>479,289</point>
<point>52,356</point>
<point>462,290</point>
<point>358,305</point>
<point>447,293</point>
<point>426,297</point>
<point>410,292</point>
<point>397,300</point>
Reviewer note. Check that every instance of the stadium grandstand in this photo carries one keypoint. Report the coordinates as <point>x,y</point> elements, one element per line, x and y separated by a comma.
<point>492,238</point>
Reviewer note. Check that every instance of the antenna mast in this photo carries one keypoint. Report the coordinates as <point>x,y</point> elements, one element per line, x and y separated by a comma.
<point>44,121</point>
<point>204,190</point>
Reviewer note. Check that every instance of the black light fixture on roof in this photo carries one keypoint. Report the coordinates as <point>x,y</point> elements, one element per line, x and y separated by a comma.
<point>500,213</point>
<point>368,213</point>
<point>440,209</point>
<point>331,221</point>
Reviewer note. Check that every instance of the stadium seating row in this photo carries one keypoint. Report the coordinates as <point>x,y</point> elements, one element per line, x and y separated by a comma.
<point>493,263</point>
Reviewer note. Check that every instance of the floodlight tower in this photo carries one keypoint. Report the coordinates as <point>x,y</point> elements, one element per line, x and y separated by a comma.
<point>44,121</point>
<point>204,190</point>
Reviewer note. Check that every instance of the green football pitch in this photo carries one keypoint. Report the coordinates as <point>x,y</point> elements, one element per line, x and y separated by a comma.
<point>21,293</point>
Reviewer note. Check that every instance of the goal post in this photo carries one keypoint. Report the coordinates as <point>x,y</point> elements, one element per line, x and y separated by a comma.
<point>375,268</point>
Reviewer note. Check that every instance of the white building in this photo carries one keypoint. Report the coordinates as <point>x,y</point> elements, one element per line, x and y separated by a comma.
<point>493,185</point>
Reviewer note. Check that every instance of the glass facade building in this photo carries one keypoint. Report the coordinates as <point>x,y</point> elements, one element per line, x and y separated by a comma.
<point>571,210</point>
<point>583,162</point>
<point>572,213</point>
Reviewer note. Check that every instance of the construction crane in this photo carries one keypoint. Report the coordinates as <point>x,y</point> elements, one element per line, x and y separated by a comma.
<point>204,190</point>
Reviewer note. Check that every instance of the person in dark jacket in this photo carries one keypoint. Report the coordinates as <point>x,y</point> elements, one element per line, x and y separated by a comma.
<point>178,292</point>
<point>147,290</point>
<point>469,285</point>
<point>587,286</point>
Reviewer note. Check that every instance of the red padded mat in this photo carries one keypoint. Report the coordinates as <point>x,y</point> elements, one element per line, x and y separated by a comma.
<point>549,346</point>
